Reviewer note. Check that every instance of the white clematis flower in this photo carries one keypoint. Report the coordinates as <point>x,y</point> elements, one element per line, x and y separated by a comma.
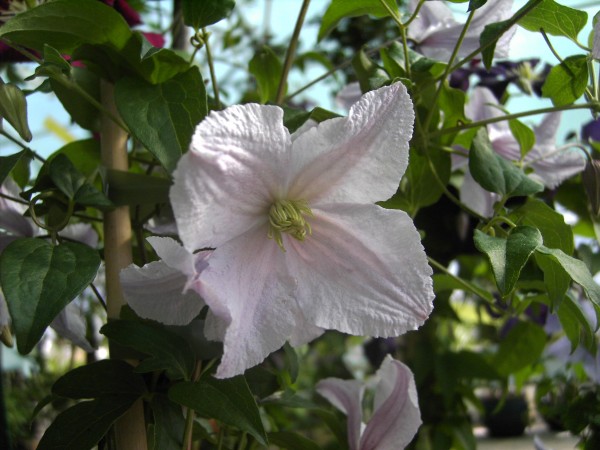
<point>436,31</point>
<point>299,244</point>
<point>550,165</point>
<point>161,290</point>
<point>396,416</point>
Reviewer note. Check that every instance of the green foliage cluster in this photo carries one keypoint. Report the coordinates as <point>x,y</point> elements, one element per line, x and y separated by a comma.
<point>521,259</point>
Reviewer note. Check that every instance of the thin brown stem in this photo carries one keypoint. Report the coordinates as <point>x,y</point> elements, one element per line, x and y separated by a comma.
<point>291,52</point>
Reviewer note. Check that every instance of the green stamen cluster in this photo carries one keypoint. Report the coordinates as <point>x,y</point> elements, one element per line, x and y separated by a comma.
<point>287,216</point>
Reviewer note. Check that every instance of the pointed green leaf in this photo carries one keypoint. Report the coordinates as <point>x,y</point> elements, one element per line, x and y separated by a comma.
<point>100,379</point>
<point>494,173</point>
<point>508,256</point>
<point>165,350</point>
<point>83,425</point>
<point>475,4</point>
<point>81,111</point>
<point>523,134</point>
<point>127,188</point>
<point>577,270</point>
<point>13,108</point>
<point>522,347</point>
<point>39,280</point>
<point>416,188</point>
<point>567,81</point>
<point>206,12</point>
<point>339,9</point>
<point>74,185</point>
<point>163,116</point>
<point>229,401</point>
<point>295,118</point>
<point>66,24</point>
<point>576,325</point>
<point>489,38</point>
<point>555,19</point>
<point>7,163</point>
<point>556,234</point>
<point>367,71</point>
<point>169,424</point>
<point>266,69</point>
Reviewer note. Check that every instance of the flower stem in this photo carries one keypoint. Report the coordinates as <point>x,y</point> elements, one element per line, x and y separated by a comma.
<point>468,286</point>
<point>189,416</point>
<point>291,52</point>
<point>211,68</point>
<point>533,112</point>
<point>507,25</point>
<point>402,28</point>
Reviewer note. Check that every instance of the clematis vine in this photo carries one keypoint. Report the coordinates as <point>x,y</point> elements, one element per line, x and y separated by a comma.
<point>550,165</point>
<point>396,416</point>
<point>299,243</point>
<point>435,31</point>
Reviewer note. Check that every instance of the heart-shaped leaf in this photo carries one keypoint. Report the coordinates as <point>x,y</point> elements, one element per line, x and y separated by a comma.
<point>39,280</point>
<point>496,174</point>
<point>508,256</point>
<point>163,116</point>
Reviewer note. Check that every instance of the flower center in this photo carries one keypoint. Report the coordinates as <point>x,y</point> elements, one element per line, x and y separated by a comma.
<point>287,216</point>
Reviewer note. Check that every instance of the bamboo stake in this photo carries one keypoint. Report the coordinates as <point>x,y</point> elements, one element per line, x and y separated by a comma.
<point>130,429</point>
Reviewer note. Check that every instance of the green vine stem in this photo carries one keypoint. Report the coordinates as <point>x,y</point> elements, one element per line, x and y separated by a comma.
<point>507,25</point>
<point>291,52</point>
<point>533,112</point>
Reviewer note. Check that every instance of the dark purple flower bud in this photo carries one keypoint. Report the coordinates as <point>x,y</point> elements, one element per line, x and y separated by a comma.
<point>591,131</point>
<point>131,16</point>
<point>459,79</point>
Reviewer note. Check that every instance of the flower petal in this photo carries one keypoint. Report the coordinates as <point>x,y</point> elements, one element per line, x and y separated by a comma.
<point>437,32</point>
<point>4,314</point>
<point>476,197</point>
<point>225,184</point>
<point>345,395</point>
<point>247,286</point>
<point>550,164</point>
<point>155,292</point>
<point>360,158</point>
<point>397,417</point>
<point>71,325</point>
<point>177,257</point>
<point>363,271</point>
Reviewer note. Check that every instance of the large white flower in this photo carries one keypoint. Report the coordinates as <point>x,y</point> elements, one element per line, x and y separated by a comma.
<point>299,244</point>
<point>396,416</point>
<point>436,31</point>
